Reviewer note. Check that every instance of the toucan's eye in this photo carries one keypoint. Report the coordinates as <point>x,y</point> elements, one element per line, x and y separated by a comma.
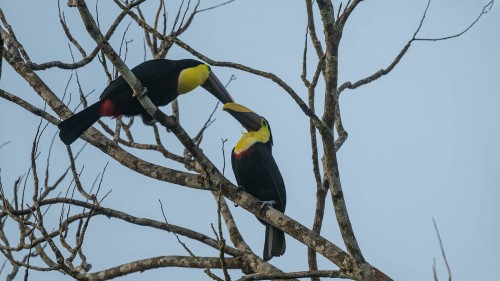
<point>264,122</point>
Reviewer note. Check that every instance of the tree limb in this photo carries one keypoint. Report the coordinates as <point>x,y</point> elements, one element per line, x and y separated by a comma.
<point>293,275</point>
<point>164,261</point>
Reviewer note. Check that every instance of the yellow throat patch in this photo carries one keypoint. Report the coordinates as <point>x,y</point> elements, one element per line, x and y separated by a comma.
<point>250,138</point>
<point>192,77</point>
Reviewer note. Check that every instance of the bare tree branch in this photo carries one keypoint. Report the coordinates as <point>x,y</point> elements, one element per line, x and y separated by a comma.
<point>333,34</point>
<point>485,10</point>
<point>164,261</point>
<point>293,275</point>
<point>312,29</point>
<point>385,71</point>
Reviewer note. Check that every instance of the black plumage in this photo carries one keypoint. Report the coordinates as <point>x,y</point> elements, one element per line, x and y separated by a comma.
<point>257,172</point>
<point>160,77</point>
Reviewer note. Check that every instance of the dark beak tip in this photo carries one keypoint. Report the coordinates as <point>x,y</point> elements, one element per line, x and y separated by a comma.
<point>215,87</point>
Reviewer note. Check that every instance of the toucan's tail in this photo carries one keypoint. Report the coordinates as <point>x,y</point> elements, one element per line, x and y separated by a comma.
<point>74,126</point>
<point>274,245</point>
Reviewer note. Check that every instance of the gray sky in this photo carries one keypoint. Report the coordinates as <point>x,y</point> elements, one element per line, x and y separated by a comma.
<point>424,141</point>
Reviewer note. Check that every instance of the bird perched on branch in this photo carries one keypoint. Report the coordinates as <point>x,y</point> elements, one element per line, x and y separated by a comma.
<point>164,79</point>
<point>257,173</point>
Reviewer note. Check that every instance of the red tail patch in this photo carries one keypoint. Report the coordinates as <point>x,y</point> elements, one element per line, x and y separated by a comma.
<point>108,109</point>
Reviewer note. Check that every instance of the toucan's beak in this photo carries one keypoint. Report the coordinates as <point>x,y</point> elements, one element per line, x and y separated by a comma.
<point>215,87</point>
<point>249,119</point>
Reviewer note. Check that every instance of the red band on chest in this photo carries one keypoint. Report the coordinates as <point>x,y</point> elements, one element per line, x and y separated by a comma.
<point>243,153</point>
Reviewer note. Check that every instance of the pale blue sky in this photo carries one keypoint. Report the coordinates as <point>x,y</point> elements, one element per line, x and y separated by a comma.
<point>424,141</point>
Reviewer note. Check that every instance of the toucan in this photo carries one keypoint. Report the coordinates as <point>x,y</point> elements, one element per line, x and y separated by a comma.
<point>164,79</point>
<point>257,172</point>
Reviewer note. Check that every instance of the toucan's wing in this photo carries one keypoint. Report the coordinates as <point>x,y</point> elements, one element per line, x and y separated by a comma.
<point>274,178</point>
<point>146,72</point>
<point>236,169</point>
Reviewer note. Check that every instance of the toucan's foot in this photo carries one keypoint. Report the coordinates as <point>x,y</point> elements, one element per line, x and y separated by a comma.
<point>266,203</point>
<point>239,188</point>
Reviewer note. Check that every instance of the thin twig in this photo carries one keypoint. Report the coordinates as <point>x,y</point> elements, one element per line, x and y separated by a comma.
<point>442,250</point>
<point>199,136</point>
<point>207,270</point>
<point>3,266</point>
<point>155,26</point>
<point>312,29</point>
<point>175,234</point>
<point>4,144</point>
<point>76,176</point>
<point>216,6</point>
<point>62,20</point>
<point>222,241</point>
<point>485,10</point>
<point>434,272</point>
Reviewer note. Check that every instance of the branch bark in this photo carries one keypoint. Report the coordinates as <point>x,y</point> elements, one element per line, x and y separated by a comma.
<point>164,261</point>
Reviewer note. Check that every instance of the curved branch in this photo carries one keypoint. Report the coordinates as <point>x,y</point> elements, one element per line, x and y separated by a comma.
<point>486,9</point>
<point>26,105</point>
<point>164,261</point>
<point>378,74</point>
<point>385,71</point>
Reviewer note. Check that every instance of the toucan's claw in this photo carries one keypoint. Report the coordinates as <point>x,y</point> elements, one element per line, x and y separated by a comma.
<point>239,188</point>
<point>266,203</point>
